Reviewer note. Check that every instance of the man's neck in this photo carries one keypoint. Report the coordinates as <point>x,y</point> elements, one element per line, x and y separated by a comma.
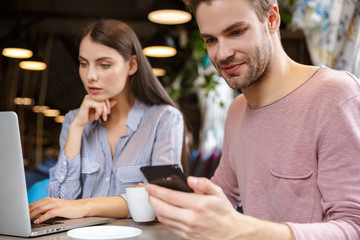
<point>284,76</point>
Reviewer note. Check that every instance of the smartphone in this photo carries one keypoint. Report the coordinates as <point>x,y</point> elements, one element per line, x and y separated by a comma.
<point>169,176</point>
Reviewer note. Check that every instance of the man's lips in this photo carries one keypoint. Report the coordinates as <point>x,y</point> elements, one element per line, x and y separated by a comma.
<point>230,69</point>
<point>94,90</point>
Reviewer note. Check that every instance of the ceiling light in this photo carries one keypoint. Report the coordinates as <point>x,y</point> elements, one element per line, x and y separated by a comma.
<point>39,108</point>
<point>51,113</point>
<point>169,16</point>
<point>159,72</point>
<point>17,53</point>
<point>32,65</point>
<point>23,101</point>
<point>59,119</point>
<point>162,45</point>
<point>159,51</point>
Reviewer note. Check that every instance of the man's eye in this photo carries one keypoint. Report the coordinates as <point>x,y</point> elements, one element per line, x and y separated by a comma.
<point>209,40</point>
<point>236,32</point>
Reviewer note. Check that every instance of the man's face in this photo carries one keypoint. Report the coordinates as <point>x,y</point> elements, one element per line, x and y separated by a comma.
<point>238,44</point>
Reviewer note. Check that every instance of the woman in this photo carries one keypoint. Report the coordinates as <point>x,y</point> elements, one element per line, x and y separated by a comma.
<point>127,120</point>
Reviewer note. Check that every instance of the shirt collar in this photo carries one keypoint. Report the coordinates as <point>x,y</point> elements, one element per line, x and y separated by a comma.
<point>135,115</point>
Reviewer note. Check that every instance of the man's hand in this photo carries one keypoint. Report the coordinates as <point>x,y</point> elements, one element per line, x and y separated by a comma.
<point>208,214</point>
<point>204,215</point>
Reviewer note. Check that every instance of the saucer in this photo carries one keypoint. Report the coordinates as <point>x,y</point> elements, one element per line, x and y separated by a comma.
<point>104,233</point>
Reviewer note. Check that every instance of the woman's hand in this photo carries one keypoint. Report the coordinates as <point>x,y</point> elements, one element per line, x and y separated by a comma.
<point>90,110</point>
<point>46,208</point>
<point>54,207</point>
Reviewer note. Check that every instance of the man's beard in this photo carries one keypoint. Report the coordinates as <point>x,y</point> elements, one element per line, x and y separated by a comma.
<point>258,68</point>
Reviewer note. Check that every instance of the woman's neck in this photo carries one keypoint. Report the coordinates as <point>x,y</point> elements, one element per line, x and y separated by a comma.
<point>120,111</point>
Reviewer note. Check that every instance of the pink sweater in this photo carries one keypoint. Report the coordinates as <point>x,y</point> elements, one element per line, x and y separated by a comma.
<point>297,160</point>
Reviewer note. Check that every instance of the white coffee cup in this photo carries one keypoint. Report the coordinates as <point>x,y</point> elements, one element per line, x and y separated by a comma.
<point>138,203</point>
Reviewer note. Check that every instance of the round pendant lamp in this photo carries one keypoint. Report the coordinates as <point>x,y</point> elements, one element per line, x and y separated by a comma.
<point>169,16</point>
<point>162,46</point>
<point>51,113</point>
<point>159,72</point>
<point>169,12</point>
<point>160,51</point>
<point>13,52</point>
<point>32,65</point>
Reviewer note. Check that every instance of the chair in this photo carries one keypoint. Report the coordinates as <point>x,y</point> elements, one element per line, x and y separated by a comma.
<point>38,190</point>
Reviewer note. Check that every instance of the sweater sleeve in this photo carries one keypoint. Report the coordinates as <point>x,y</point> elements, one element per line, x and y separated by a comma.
<point>338,178</point>
<point>224,176</point>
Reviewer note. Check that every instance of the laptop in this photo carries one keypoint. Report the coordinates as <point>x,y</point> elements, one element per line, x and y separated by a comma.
<point>14,209</point>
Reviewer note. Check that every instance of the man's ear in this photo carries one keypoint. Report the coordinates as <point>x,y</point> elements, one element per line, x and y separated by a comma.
<point>133,64</point>
<point>274,18</point>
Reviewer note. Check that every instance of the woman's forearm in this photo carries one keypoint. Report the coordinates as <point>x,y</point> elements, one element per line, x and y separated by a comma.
<point>73,141</point>
<point>112,207</point>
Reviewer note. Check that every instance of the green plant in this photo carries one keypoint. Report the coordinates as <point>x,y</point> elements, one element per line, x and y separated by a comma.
<point>286,11</point>
<point>183,73</point>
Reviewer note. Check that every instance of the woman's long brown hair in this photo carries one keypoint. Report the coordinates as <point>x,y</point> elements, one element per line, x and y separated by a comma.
<point>145,86</point>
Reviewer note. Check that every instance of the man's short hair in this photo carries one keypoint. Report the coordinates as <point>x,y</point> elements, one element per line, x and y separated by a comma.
<point>261,6</point>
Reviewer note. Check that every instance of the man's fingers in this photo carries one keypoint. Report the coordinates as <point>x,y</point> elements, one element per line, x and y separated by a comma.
<point>179,220</point>
<point>167,195</point>
<point>203,185</point>
<point>179,199</point>
<point>168,213</point>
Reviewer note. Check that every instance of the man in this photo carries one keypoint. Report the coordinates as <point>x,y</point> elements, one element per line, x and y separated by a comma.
<point>292,140</point>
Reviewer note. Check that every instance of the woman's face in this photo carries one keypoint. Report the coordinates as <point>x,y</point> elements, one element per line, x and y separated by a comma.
<point>103,70</point>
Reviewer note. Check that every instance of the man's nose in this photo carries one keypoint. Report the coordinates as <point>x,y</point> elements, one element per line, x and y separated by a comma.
<point>224,50</point>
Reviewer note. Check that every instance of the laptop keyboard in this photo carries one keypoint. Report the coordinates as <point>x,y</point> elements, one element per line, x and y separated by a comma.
<point>49,222</point>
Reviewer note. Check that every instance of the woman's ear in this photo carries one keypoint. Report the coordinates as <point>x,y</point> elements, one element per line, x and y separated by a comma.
<point>274,19</point>
<point>133,65</point>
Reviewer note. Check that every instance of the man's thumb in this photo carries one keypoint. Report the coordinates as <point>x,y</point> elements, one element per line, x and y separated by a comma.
<point>202,185</point>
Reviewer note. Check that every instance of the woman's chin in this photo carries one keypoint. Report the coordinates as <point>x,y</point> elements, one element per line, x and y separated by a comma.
<point>98,98</point>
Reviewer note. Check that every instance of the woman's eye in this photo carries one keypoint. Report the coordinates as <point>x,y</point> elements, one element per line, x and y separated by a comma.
<point>83,64</point>
<point>105,65</point>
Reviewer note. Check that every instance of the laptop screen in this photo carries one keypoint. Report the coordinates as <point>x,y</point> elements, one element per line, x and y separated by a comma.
<point>14,210</point>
